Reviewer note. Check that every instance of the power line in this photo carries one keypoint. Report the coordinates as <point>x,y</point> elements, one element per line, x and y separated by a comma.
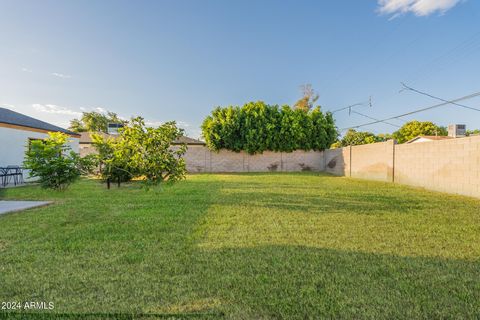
<point>405,87</point>
<point>353,105</point>
<point>371,118</point>
<point>347,107</point>
<point>470,96</point>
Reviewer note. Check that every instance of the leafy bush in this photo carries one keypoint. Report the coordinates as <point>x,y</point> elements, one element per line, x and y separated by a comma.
<point>142,152</point>
<point>150,153</point>
<point>258,127</point>
<point>113,165</point>
<point>53,161</point>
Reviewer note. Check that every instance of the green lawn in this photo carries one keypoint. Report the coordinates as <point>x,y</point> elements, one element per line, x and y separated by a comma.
<point>246,246</point>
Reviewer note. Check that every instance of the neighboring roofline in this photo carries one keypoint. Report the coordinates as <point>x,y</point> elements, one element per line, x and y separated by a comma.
<point>414,139</point>
<point>432,138</point>
<point>4,124</point>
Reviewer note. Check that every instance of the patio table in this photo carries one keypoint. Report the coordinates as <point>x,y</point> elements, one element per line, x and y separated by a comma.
<point>11,172</point>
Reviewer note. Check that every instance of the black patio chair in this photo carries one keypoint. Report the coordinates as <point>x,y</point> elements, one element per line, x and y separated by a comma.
<point>15,173</point>
<point>3,176</point>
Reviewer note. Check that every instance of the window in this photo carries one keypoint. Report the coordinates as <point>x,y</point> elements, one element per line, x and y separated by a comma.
<point>30,142</point>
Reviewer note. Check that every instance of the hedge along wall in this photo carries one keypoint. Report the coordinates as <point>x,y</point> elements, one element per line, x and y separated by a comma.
<point>257,127</point>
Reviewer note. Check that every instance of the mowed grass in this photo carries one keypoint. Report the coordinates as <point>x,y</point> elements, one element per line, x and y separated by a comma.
<point>246,246</point>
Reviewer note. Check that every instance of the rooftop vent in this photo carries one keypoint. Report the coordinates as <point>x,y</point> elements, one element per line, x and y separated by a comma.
<point>113,128</point>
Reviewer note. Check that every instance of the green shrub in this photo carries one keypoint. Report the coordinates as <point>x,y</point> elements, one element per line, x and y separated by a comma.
<point>258,127</point>
<point>53,161</point>
<point>112,165</point>
<point>141,152</point>
<point>150,153</point>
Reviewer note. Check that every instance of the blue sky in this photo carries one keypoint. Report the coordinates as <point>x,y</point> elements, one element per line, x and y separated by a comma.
<point>176,60</point>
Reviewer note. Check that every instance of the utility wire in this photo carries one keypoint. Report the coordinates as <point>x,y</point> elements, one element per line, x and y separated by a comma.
<point>470,96</point>
<point>371,118</point>
<point>348,107</point>
<point>405,87</point>
<point>353,105</point>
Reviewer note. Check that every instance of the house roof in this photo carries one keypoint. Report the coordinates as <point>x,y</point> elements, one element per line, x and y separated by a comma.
<point>432,138</point>
<point>13,118</point>
<point>188,140</point>
<point>86,139</point>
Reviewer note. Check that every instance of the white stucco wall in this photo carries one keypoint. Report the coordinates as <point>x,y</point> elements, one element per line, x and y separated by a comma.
<point>14,143</point>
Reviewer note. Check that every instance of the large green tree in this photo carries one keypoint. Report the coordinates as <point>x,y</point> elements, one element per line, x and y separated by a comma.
<point>95,122</point>
<point>354,138</point>
<point>258,127</point>
<point>416,128</point>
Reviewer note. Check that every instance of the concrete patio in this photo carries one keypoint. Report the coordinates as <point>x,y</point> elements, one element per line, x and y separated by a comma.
<point>13,206</point>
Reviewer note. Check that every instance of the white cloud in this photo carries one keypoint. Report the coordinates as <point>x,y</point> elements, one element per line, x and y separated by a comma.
<point>183,124</point>
<point>61,75</point>
<point>100,109</point>
<point>418,7</point>
<point>51,108</point>
<point>26,70</point>
<point>154,123</point>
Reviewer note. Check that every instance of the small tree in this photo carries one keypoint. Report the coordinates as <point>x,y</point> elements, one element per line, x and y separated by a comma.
<point>113,166</point>
<point>308,100</point>
<point>95,121</point>
<point>150,153</point>
<point>142,152</point>
<point>53,161</point>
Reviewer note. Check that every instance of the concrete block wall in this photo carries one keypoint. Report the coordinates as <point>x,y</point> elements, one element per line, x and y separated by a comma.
<point>200,159</point>
<point>337,161</point>
<point>451,166</point>
<point>447,165</point>
<point>369,161</point>
<point>373,161</point>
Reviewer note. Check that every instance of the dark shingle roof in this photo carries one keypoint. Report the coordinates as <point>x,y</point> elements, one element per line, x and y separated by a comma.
<point>11,117</point>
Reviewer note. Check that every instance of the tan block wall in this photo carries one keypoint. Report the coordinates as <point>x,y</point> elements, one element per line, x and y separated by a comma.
<point>200,159</point>
<point>373,161</point>
<point>86,150</point>
<point>197,159</point>
<point>446,165</point>
<point>337,161</point>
